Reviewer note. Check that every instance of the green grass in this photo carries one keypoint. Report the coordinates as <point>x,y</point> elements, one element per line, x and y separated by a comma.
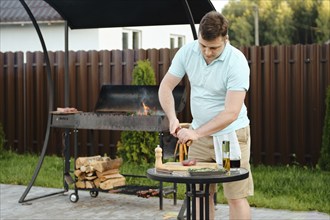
<point>279,187</point>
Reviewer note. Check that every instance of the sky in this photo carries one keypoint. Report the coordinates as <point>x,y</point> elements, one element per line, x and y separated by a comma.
<point>219,4</point>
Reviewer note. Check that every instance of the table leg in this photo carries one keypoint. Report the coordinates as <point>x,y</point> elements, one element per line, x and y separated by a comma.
<point>160,195</point>
<point>206,196</point>
<point>201,201</point>
<point>175,193</point>
<point>193,195</point>
<point>182,210</point>
<point>188,200</point>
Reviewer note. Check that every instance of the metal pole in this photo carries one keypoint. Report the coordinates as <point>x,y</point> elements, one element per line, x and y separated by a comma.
<point>66,66</point>
<point>190,18</point>
<point>50,85</point>
<point>256,25</point>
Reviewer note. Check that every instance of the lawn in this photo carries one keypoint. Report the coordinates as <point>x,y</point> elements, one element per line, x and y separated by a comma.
<point>278,187</point>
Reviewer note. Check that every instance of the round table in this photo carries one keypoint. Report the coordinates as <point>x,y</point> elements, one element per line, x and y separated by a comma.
<point>203,181</point>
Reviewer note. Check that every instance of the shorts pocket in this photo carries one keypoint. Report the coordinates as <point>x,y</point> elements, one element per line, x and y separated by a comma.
<point>243,134</point>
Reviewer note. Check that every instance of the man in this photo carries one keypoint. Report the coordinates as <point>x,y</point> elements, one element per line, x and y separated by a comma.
<point>219,79</point>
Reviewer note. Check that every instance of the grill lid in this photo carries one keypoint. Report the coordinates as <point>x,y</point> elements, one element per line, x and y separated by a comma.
<point>131,98</point>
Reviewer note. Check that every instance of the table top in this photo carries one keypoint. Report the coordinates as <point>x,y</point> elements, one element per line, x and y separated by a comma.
<point>184,176</point>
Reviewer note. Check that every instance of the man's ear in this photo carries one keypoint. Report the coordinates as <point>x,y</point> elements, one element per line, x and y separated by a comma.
<point>227,38</point>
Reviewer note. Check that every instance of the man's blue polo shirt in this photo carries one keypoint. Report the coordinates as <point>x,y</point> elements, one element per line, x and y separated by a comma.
<point>210,83</point>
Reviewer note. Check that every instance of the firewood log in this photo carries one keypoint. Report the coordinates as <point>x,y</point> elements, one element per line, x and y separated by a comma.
<point>110,176</point>
<point>77,172</point>
<point>107,172</point>
<point>90,177</point>
<point>97,182</point>
<point>90,185</point>
<point>102,166</point>
<point>87,168</point>
<point>84,161</point>
<point>83,168</point>
<point>81,184</point>
<point>80,175</point>
<point>91,174</point>
<point>111,183</point>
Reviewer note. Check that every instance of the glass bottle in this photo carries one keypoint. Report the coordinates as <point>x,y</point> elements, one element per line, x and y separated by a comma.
<point>226,155</point>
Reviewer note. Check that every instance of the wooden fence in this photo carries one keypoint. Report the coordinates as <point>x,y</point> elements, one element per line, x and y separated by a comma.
<point>285,101</point>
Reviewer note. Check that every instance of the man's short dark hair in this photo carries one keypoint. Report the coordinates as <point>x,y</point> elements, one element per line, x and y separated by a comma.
<point>213,25</point>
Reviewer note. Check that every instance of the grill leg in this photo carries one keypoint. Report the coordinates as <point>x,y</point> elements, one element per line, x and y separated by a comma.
<point>66,145</point>
<point>160,195</point>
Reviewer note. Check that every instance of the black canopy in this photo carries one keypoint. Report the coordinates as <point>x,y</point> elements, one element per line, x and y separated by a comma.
<point>81,14</point>
<point>120,13</point>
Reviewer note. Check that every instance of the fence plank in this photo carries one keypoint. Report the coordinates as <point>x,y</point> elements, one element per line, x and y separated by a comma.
<point>105,61</point>
<point>19,97</point>
<point>284,105</point>
<point>3,70</point>
<point>253,96</point>
<point>9,122</point>
<point>128,67</point>
<point>82,97</point>
<point>298,107</point>
<point>117,70</point>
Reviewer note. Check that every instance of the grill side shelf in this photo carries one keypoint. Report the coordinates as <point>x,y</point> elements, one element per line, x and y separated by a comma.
<point>64,121</point>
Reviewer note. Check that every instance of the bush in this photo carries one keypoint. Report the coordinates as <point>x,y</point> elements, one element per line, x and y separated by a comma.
<point>324,161</point>
<point>143,74</point>
<point>138,146</point>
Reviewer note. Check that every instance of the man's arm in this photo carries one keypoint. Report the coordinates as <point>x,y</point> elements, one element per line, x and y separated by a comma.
<point>166,99</point>
<point>233,105</point>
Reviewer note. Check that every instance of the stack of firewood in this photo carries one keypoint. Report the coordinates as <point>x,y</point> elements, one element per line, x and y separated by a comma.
<point>147,193</point>
<point>98,172</point>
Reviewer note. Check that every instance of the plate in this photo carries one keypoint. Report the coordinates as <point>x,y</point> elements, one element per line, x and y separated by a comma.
<point>206,171</point>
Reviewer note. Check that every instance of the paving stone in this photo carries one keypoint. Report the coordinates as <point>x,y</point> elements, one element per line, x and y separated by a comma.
<point>112,206</point>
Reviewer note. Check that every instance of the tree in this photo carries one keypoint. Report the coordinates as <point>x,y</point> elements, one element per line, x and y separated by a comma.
<point>322,30</point>
<point>278,16</point>
<point>241,26</point>
<point>280,21</point>
<point>304,16</point>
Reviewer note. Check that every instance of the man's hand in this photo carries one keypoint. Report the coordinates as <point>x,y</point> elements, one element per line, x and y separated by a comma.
<point>174,125</point>
<point>185,135</point>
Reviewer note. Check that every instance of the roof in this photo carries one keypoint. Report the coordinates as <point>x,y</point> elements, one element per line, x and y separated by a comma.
<point>12,11</point>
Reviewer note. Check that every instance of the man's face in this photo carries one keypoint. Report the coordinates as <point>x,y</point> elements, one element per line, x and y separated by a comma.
<point>211,49</point>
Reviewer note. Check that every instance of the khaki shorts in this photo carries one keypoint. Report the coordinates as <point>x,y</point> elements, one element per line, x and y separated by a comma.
<point>203,150</point>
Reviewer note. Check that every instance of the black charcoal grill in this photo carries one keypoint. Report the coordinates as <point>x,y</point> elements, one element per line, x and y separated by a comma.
<point>123,107</point>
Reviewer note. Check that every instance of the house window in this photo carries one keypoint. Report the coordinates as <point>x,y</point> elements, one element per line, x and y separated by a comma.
<point>131,39</point>
<point>177,41</point>
<point>125,40</point>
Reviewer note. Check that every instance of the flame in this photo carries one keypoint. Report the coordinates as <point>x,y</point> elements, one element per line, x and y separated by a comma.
<point>146,109</point>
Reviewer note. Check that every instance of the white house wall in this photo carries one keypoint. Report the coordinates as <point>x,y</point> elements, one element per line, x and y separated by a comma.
<point>159,37</point>
<point>24,38</point>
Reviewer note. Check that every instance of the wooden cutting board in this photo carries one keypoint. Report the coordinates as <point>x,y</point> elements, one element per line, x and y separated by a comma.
<point>177,166</point>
